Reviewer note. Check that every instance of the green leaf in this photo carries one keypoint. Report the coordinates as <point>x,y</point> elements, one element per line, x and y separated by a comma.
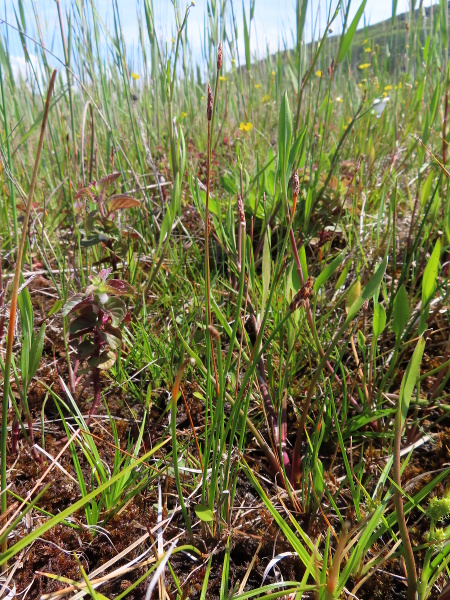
<point>294,153</point>
<point>104,362</point>
<point>328,271</point>
<point>117,309</point>
<point>318,478</point>
<point>353,294</point>
<point>410,378</point>
<point>246,39</point>
<point>401,312</point>
<point>284,139</point>
<point>347,38</point>
<point>266,266</point>
<point>56,307</point>
<point>379,321</point>
<point>368,291</point>
<point>430,274</point>
<point>36,352</point>
<point>204,513</point>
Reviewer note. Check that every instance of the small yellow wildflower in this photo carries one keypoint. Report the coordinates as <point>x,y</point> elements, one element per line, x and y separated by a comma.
<point>222,78</point>
<point>339,99</point>
<point>368,49</point>
<point>135,76</point>
<point>364,42</point>
<point>233,62</point>
<point>257,86</point>
<point>360,85</point>
<point>384,94</point>
<point>203,97</point>
<point>173,40</point>
<point>183,115</point>
<point>246,127</point>
<point>273,73</point>
<point>364,66</point>
<point>265,98</point>
<point>318,73</point>
<point>387,88</point>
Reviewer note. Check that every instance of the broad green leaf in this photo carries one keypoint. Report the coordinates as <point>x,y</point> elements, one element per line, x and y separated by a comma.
<point>410,378</point>
<point>36,352</point>
<point>117,309</point>
<point>294,152</point>
<point>401,312</point>
<point>284,139</point>
<point>204,513</point>
<point>56,307</point>
<point>430,274</point>
<point>328,271</point>
<point>368,291</point>
<point>379,321</point>
<point>349,35</point>
<point>353,294</point>
<point>104,362</point>
<point>426,189</point>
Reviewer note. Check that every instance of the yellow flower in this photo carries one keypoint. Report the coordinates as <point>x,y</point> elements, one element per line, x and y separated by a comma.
<point>318,73</point>
<point>273,73</point>
<point>364,66</point>
<point>203,97</point>
<point>173,40</point>
<point>233,62</point>
<point>384,94</point>
<point>222,78</point>
<point>135,76</point>
<point>246,128</point>
<point>257,86</point>
<point>339,99</point>
<point>387,88</point>
<point>364,42</point>
<point>368,49</point>
<point>265,98</point>
<point>183,115</point>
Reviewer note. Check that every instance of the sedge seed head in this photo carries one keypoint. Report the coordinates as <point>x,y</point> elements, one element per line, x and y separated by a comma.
<point>241,211</point>
<point>219,57</point>
<point>209,103</point>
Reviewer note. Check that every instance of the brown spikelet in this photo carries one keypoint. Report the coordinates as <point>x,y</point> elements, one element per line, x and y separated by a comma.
<point>303,294</point>
<point>209,105</point>
<point>240,207</point>
<point>219,57</point>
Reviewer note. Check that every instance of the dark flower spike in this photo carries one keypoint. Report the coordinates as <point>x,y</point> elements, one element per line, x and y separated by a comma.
<point>209,105</point>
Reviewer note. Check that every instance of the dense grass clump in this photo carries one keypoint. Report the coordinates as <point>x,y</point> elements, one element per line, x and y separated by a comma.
<point>224,309</point>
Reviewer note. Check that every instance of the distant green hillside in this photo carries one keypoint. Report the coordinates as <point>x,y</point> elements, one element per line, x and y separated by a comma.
<point>392,40</point>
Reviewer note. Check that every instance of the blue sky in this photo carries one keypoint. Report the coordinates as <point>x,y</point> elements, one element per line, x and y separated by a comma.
<point>274,21</point>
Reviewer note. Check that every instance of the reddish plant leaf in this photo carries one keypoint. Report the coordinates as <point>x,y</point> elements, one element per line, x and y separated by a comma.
<point>109,179</point>
<point>85,192</point>
<point>119,202</point>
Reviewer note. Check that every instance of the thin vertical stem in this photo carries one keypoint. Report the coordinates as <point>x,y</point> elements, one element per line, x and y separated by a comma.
<point>12,316</point>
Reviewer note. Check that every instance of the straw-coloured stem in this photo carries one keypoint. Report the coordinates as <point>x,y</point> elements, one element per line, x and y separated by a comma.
<point>13,310</point>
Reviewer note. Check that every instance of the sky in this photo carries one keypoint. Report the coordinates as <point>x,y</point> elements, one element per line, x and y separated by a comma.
<point>272,27</point>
